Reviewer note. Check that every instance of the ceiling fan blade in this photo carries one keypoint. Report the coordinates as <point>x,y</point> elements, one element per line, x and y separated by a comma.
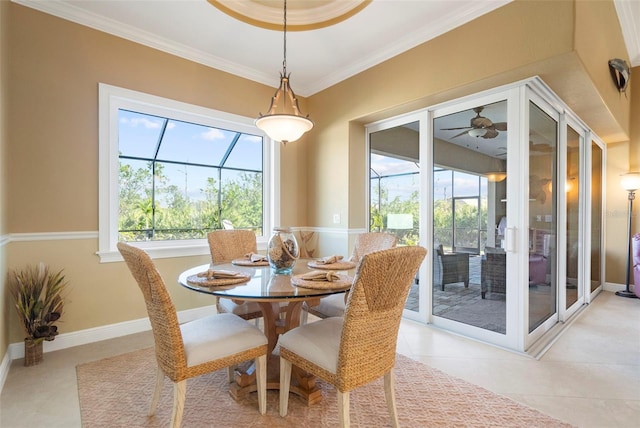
<point>500,126</point>
<point>491,133</point>
<point>462,133</point>
<point>481,122</point>
<point>455,129</point>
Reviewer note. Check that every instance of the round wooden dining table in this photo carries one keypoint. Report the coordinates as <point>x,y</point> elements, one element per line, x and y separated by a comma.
<point>281,303</point>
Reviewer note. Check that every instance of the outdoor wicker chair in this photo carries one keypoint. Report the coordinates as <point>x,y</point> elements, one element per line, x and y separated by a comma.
<point>195,348</point>
<point>451,268</point>
<point>333,306</point>
<point>355,350</point>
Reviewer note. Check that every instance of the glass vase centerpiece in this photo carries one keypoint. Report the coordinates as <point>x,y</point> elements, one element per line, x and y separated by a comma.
<point>282,250</point>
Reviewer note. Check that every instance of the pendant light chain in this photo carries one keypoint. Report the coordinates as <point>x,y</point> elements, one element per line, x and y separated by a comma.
<point>284,122</point>
<point>284,61</point>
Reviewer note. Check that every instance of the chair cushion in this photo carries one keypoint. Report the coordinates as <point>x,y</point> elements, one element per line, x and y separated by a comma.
<point>229,306</point>
<point>318,342</point>
<point>218,336</point>
<point>331,306</point>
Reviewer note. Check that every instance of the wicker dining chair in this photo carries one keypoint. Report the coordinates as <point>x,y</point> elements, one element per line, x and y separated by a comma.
<point>333,306</point>
<point>226,245</point>
<point>197,347</point>
<point>353,351</point>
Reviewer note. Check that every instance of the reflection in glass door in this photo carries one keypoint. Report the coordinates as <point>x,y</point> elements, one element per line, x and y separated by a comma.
<point>596,216</point>
<point>394,188</point>
<point>543,152</point>
<point>573,274</point>
<point>466,221</point>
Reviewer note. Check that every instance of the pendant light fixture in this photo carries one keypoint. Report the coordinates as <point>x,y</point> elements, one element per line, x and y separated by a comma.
<point>496,176</point>
<point>284,123</point>
<point>498,173</point>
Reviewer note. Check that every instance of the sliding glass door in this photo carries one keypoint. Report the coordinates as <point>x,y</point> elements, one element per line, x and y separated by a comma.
<point>594,186</point>
<point>469,195</point>
<point>543,214</point>
<point>505,194</point>
<point>574,274</point>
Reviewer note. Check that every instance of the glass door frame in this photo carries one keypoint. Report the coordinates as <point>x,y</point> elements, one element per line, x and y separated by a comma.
<point>518,96</point>
<point>543,102</point>
<point>511,96</point>
<point>569,121</point>
<point>590,139</point>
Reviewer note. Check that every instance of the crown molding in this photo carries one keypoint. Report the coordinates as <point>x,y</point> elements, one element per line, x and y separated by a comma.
<point>75,14</point>
<point>80,16</point>
<point>409,41</point>
<point>629,17</point>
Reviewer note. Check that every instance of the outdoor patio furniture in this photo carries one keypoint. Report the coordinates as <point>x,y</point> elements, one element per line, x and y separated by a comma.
<point>451,268</point>
<point>493,276</point>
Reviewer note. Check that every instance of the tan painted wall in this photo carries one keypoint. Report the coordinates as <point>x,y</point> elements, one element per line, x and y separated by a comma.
<point>616,213</point>
<point>100,293</point>
<point>598,38</point>
<point>634,144</point>
<point>622,158</point>
<point>4,300</point>
<point>54,67</point>
<point>527,38</point>
<point>418,78</point>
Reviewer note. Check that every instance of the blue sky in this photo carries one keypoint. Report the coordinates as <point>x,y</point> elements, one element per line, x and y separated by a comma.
<point>189,143</point>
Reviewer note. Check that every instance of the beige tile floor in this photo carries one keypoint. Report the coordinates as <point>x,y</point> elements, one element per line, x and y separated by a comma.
<point>590,377</point>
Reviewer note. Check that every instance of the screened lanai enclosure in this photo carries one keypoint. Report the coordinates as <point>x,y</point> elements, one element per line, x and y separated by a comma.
<point>181,180</point>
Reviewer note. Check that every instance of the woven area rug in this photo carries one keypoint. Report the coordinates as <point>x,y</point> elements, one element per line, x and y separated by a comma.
<point>116,392</point>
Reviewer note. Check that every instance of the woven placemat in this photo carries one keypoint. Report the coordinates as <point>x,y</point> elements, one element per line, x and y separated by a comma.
<point>332,266</point>
<point>341,284</point>
<point>217,282</point>
<point>247,262</point>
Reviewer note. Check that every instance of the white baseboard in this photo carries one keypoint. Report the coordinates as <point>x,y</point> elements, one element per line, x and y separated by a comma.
<point>97,334</point>
<point>4,369</point>
<point>613,287</point>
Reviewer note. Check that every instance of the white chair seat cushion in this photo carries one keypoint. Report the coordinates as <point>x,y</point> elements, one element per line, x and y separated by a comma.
<point>332,306</point>
<point>244,308</point>
<point>318,342</point>
<point>218,336</point>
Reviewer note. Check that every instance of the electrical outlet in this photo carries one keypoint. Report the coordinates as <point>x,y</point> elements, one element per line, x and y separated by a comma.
<point>336,219</point>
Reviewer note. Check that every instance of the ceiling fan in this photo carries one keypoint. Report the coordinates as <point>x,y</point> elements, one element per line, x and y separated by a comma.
<point>480,126</point>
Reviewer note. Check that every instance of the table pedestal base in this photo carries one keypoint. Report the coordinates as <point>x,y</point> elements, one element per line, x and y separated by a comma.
<point>302,384</point>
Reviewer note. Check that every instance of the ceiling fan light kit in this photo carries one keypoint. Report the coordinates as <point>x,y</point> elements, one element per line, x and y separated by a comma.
<point>477,132</point>
<point>480,126</point>
<point>286,124</point>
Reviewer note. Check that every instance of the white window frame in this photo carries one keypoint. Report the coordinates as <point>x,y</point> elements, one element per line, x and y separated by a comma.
<point>111,100</point>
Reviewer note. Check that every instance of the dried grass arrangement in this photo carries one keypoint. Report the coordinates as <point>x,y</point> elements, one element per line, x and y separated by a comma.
<point>39,297</point>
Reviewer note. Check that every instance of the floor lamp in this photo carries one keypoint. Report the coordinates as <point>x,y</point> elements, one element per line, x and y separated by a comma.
<point>630,182</point>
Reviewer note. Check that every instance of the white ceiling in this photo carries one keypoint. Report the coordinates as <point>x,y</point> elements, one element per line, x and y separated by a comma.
<point>316,59</point>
